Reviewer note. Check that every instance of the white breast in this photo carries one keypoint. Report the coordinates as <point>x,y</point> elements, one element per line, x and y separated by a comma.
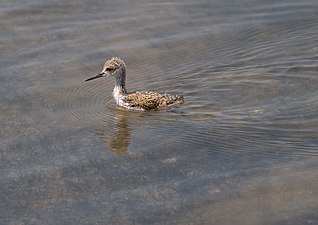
<point>118,96</point>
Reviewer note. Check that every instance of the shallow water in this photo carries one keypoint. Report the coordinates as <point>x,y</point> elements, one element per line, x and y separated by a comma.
<point>243,148</point>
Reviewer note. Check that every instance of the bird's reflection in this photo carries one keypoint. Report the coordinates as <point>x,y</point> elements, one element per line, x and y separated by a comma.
<point>118,140</point>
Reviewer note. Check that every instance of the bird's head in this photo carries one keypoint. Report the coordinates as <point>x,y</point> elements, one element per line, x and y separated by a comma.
<point>113,67</point>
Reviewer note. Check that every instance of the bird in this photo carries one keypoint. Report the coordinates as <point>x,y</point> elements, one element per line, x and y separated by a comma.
<point>138,100</point>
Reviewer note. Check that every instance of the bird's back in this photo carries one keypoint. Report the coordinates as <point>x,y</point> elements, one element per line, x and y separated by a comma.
<point>151,100</point>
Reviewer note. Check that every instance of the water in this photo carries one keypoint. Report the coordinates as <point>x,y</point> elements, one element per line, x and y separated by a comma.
<point>243,148</point>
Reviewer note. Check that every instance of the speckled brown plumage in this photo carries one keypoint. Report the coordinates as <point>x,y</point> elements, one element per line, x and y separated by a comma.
<point>152,100</point>
<point>135,100</point>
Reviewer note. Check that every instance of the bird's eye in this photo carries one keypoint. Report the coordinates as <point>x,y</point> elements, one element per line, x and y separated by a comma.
<point>108,69</point>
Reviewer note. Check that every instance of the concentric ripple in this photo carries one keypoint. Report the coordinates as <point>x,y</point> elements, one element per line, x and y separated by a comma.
<point>87,102</point>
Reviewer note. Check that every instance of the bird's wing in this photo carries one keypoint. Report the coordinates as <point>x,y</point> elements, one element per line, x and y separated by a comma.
<point>145,100</point>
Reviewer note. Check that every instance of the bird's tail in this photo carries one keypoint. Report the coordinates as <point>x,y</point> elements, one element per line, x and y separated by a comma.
<point>169,100</point>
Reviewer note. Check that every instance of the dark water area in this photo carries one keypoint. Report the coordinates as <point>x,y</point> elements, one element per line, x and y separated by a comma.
<point>242,149</point>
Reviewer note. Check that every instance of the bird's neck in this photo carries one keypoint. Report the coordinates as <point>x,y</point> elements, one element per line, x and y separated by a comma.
<point>120,89</point>
<point>121,78</point>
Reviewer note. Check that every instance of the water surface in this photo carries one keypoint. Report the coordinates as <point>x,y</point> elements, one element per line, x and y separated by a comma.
<point>243,148</point>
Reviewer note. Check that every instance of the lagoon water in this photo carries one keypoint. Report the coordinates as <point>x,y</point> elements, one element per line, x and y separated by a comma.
<point>242,149</point>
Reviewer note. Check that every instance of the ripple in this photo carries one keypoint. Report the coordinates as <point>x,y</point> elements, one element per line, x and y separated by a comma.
<point>87,102</point>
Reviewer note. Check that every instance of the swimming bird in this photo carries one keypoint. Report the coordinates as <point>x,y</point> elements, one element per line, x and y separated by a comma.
<point>137,100</point>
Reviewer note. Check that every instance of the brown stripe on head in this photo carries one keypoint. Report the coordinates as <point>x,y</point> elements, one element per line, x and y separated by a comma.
<point>114,63</point>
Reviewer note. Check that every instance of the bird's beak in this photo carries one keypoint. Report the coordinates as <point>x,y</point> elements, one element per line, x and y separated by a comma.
<point>102,74</point>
